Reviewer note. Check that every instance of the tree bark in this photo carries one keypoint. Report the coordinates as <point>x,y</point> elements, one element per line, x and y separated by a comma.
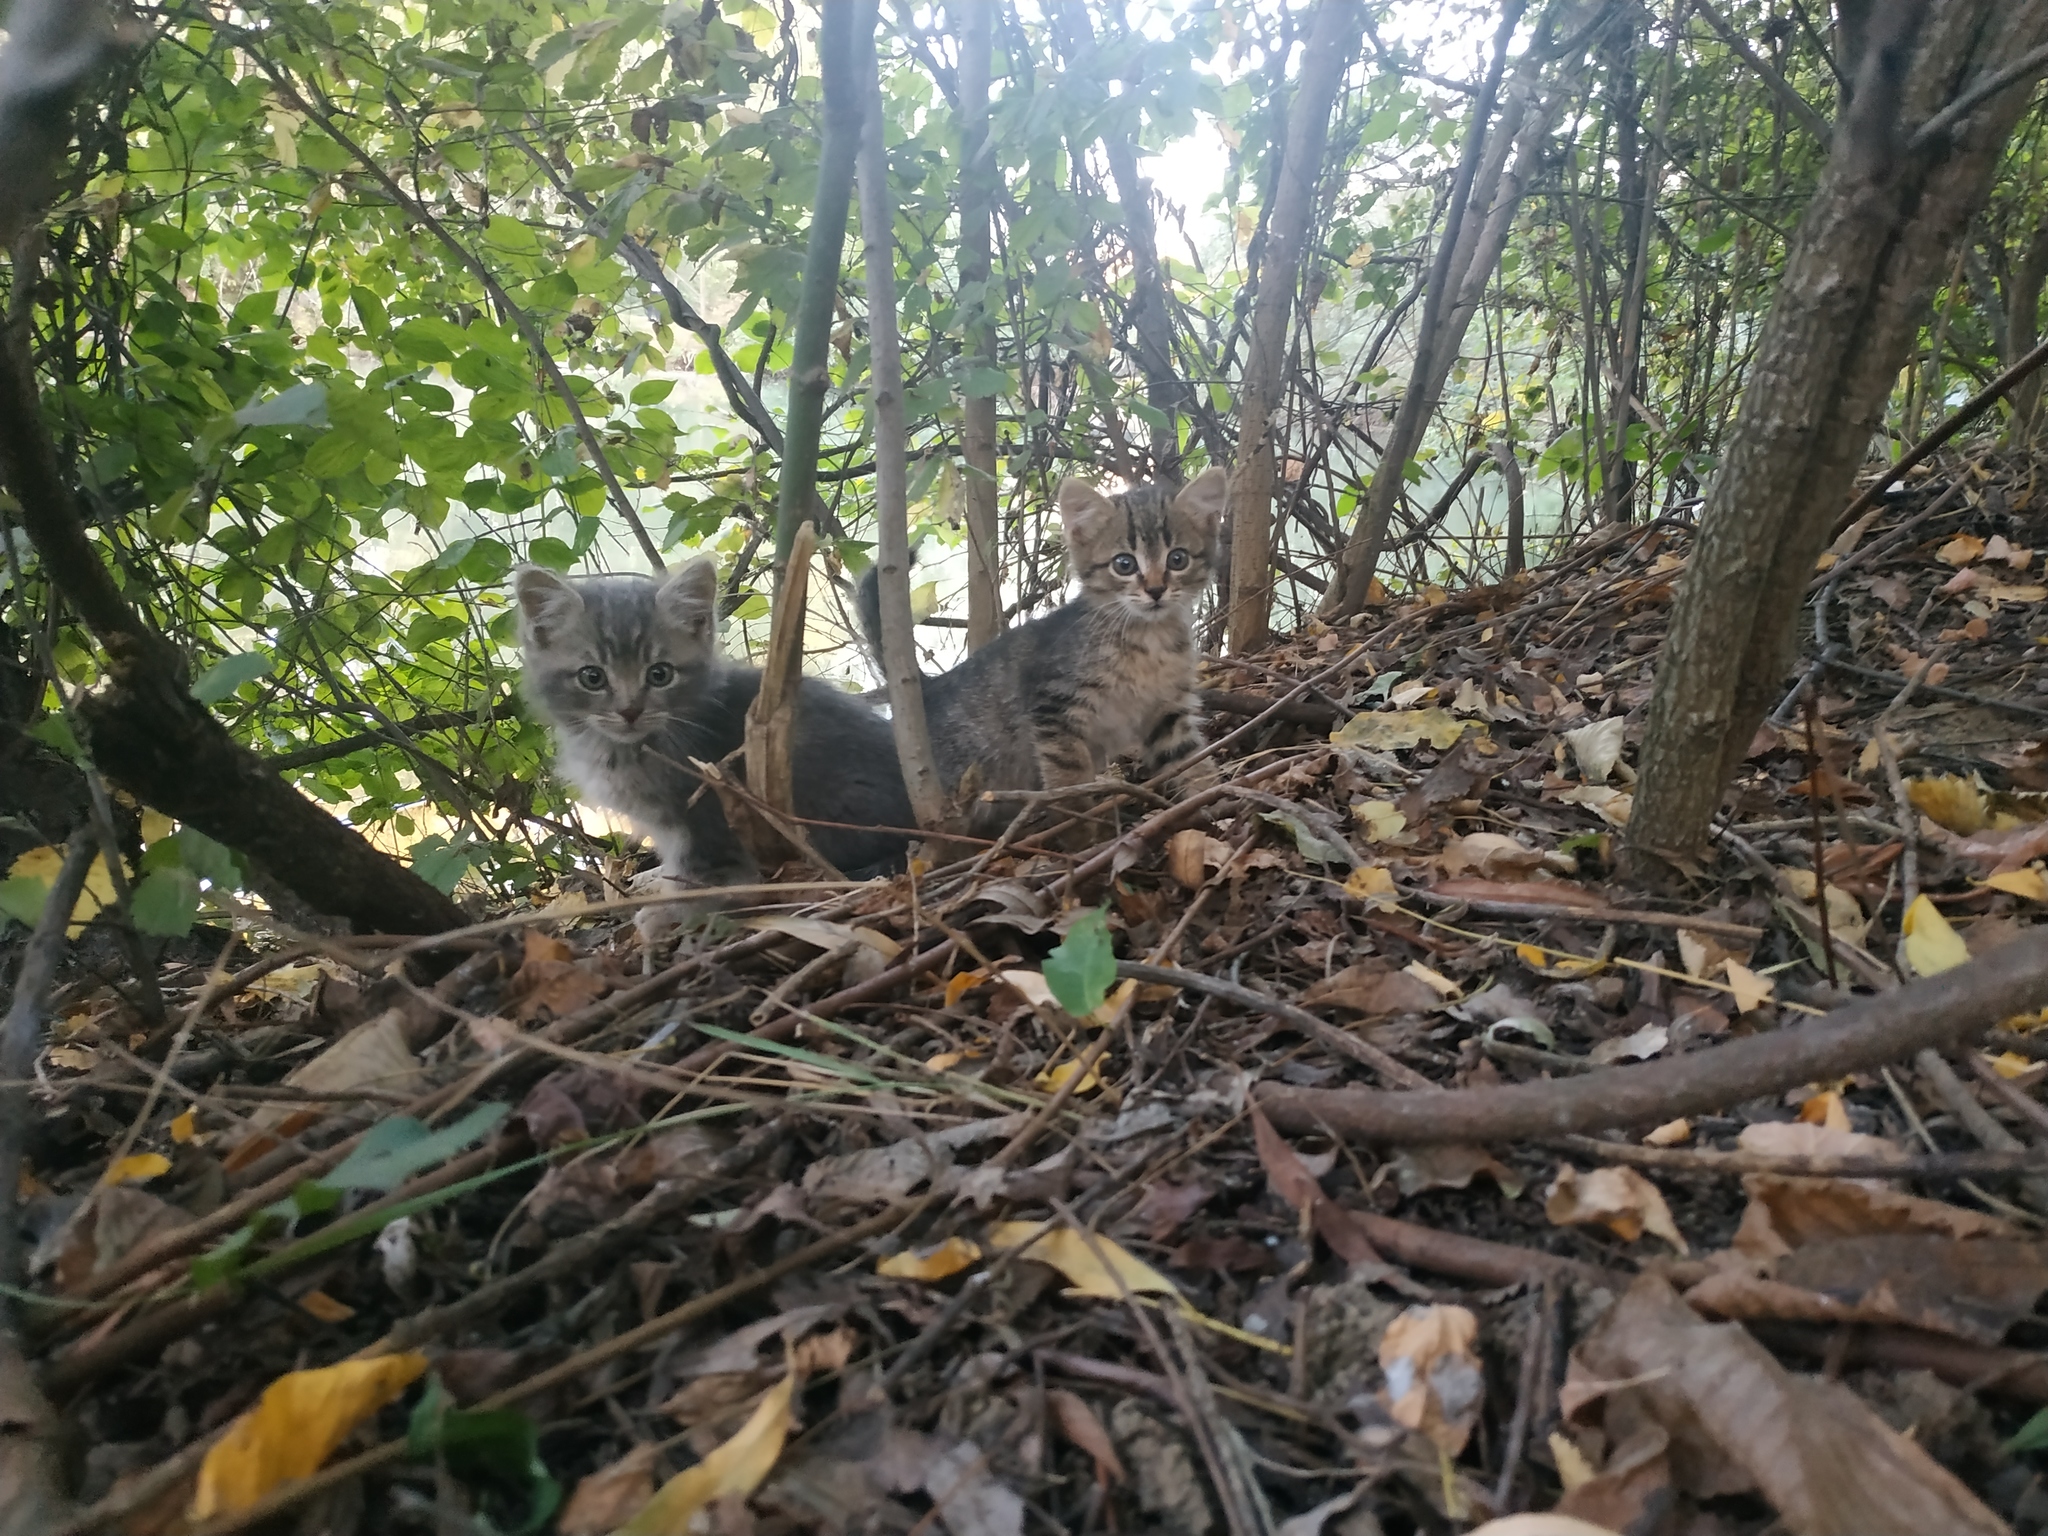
<point>810,346</point>
<point>2023,334</point>
<point>1333,41</point>
<point>892,500</point>
<point>978,180</point>
<point>1843,323</point>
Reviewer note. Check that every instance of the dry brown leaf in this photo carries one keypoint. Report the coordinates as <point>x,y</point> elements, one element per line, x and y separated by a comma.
<point>1434,1381</point>
<point>1286,1175</point>
<point>1491,855</point>
<point>1364,989</point>
<point>1620,1199</point>
<point>1077,1421</point>
<point>1739,1420</point>
<point>606,1498</point>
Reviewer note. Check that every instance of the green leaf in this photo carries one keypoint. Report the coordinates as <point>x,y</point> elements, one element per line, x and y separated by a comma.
<point>497,1453</point>
<point>552,553</point>
<point>303,405</point>
<point>2031,1436</point>
<point>1082,967</point>
<point>393,1150</point>
<point>652,391</point>
<point>440,862</point>
<point>165,902</point>
<point>22,898</point>
<point>228,674</point>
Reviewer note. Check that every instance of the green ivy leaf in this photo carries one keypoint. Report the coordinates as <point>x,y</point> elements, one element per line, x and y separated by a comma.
<point>1082,967</point>
<point>497,1453</point>
<point>22,898</point>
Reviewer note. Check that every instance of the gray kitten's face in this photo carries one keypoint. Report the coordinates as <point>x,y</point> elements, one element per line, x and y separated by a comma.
<point>1149,557</point>
<point>616,656</point>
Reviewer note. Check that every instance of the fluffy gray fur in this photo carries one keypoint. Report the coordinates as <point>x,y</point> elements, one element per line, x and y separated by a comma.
<point>628,673</point>
<point>1109,674</point>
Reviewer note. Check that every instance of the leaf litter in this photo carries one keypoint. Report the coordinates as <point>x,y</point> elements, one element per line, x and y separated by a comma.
<point>956,1208</point>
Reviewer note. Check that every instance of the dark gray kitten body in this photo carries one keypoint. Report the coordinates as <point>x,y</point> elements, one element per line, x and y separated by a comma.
<point>628,673</point>
<point>1109,674</point>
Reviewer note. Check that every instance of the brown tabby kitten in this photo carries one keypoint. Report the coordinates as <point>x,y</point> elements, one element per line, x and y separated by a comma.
<point>1109,674</point>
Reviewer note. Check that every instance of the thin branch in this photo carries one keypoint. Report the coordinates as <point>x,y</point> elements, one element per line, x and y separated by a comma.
<point>1808,115</point>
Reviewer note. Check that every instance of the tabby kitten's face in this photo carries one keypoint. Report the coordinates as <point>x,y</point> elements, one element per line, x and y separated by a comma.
<point>1148,556</point>
<point>616,657</point>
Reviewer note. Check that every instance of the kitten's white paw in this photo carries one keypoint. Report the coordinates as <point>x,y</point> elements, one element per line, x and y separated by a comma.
<point>664,920</point>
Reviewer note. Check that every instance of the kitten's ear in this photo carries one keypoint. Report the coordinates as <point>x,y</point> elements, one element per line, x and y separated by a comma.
<point>689,598</point>
<point>544,598</point>
<point>1081,506</point>
<point>1201,502</point>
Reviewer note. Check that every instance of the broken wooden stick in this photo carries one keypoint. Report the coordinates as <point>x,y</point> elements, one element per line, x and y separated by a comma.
<point>1939,1012</point>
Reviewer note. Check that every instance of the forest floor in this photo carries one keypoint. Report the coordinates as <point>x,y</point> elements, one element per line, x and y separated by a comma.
<point>838,1204</point>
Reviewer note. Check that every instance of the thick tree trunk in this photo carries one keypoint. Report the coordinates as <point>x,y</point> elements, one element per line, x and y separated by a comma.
<point>810,345</point>
<point>978,180</point>
<point>1854,293</point>
<point>892,500</point>
<point>1334,36</point>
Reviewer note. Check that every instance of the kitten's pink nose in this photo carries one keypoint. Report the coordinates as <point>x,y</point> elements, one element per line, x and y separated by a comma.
<point>630,713</point>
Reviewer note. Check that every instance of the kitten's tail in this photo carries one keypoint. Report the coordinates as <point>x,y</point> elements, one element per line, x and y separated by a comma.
<point>867,605</point>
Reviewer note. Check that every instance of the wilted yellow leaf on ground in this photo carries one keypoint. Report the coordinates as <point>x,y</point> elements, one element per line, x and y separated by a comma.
<point>1960,550</point>
<point>1073,1254</point>
<point>1388,730</point>
<point>300,1420</point>
<point>1825,1109</point>
<point>1846,918</point>
<point>934,1263</point>
<point>1750,989</point>
<point>2010,1064</point>
<point>184,1127</point>
<point>1053,1079</point>
<point>138,1169</point>
<point>1619,1199</point>
<point>2025,883</point>
<point>1380,820</point>
<point>963,982</point>
<point>735,1468</point>
<point>1670,1134</point>
<point>1931,946</point>
<point>1371,882</point>
<point>1951,800</point>
<point>326,1308</point>
<point>1442,984</point>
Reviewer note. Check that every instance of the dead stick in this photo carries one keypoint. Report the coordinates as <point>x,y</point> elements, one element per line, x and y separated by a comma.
<point>1939,1012</point>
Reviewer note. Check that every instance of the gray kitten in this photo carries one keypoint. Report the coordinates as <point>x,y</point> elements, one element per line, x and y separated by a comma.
<point>1109,674</point>
<point>628,673</point>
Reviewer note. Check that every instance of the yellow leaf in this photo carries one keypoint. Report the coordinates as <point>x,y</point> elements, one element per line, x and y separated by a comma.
<point>2010,1064</point>
<point>1380,820</point>
<point>1619,1199</point>
<point>1960,550</point>
<point>1931,946</point>
<point>1532,957</point>
<point>2026,883</point>
<point>44,863</point>
<point>139,1169</point>
<point>935,1263</point>
<point>1573,1470</point>
<point>1074,1255</point>
<point>959,985</point>
<point>1389,729</point>
<point>1373,883</point>
<point>734,1469</point>
<point>1826,1110</point>
<point>156,826</point>
<point>1750,989</point>
<point>1952,801</point>
<point>1670,1134</point>
<point>945,1061</point>
<point>1445,987</point>
<point>183,1128</point>
<point>1053,1079</point>
<point>301,1419</point>
<point>582,254</point>
<point>326,1308</point>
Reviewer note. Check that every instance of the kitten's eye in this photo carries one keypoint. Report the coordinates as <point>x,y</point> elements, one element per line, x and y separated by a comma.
<point>660,675</point>
<point>590,677</point>
<point>1177,559</point>
<point>1124,565</point>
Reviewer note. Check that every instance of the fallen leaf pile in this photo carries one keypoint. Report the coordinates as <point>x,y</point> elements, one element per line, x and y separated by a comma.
<point>951,1206</point>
